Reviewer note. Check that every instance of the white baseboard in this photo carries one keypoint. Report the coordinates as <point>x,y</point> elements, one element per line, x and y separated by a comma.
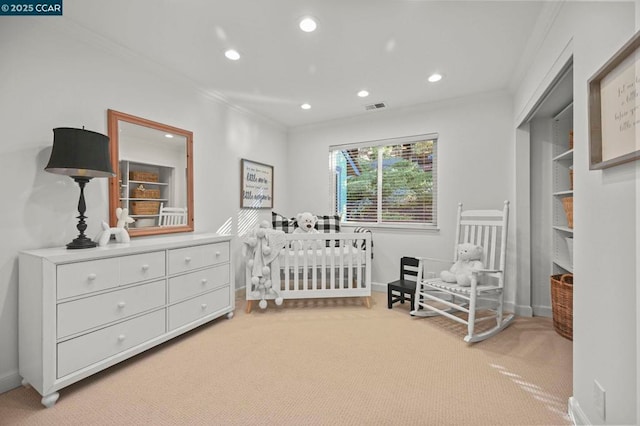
<point>575,412</point>
<point>519,310</point>
<point>10,381</point>
<point>528,311</point>
<point>542,311</point>
<point>379,287</point>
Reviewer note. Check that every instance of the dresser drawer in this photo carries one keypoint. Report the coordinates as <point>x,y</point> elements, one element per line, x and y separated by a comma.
<point>83,314</point>
<point>190,258</point>
<point>142,267</point>
<point>217,253</point>
<point>74,279</point>
<point>198,307</point>
<point>194,283</point>
<point>85,350</point>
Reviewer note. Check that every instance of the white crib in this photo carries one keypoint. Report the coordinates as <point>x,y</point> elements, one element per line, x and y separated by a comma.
<point>325,265</point>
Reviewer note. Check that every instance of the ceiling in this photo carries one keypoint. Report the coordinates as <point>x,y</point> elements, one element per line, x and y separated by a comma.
<point>388,47</point>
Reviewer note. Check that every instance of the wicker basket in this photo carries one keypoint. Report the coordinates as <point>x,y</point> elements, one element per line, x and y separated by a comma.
<point>143,176</point>
<point>145,207</point>
<point>562,304</point>
<point>571,139</point>
<point>567,205</point>
<point>142,192</point>
<point>571,180</point>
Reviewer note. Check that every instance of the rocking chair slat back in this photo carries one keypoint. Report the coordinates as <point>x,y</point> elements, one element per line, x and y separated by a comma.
<point>486,228</point>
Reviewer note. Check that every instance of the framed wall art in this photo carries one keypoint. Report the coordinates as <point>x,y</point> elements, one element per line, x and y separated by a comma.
<point>256,185</point>
<point>614,91</point>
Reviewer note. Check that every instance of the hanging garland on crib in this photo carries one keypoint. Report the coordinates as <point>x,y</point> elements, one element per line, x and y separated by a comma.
<point>262,246</point>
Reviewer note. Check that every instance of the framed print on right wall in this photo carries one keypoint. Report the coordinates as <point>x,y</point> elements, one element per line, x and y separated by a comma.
<point>614,91</point>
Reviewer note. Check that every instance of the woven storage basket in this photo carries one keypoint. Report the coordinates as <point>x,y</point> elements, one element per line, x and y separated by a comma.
<point>562,304</point>
<point>567,205</point>
<point>571,139</point>
<point>143,176</point>
<point>145,207</point>
<point>145,193</point>
<point>571,180</point>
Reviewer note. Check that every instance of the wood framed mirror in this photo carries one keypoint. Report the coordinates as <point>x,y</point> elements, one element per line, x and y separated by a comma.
<point>153,163</point>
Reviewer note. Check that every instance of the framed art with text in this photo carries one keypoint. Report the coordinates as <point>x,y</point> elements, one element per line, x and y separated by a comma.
<point>256,185</point>
<point>613,104</point>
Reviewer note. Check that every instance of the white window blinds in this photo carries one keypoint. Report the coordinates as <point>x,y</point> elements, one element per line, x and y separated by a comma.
<point>391,181</point>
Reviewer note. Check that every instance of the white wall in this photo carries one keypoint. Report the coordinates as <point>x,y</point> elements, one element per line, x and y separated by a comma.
<point>541,184</point>
<point>53,74</point>
<point>605,278</point>
<point>475,148</point>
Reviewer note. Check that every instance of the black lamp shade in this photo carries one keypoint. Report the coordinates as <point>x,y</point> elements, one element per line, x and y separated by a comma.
<point>80,153</point>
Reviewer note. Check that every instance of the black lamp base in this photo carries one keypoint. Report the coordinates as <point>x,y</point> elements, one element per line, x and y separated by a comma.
<point>81,241</point>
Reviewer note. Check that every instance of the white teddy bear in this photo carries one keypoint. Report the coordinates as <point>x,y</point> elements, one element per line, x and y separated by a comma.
<point>306,225</point>
<point>469,256</point>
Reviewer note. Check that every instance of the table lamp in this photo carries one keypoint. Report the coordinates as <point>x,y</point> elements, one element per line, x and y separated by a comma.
<point>82,155</point>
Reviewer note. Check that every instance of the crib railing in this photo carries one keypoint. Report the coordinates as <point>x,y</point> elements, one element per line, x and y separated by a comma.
<point>324,265</point>
<point>316,266</point>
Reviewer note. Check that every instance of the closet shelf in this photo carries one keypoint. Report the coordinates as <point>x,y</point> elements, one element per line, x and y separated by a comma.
<point>567,155</point>
<point>563,229</point>
<point>561,191</point>
<point>564,265</point>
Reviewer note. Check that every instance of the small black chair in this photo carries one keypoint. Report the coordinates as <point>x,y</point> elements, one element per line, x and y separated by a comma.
<point>404,288</point>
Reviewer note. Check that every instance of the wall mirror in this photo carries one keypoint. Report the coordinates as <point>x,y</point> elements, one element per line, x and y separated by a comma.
<point>154,175</point>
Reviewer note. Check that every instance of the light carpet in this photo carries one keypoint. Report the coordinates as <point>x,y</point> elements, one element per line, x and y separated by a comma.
<point>324,362</point>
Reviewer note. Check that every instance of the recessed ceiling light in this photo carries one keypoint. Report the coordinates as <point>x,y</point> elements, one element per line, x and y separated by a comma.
<point>168,135</point>
<point>305,106</point>
<point>435,77</point>
<point>232,54</point>
<point>308,24</point>
<point>363,93</point>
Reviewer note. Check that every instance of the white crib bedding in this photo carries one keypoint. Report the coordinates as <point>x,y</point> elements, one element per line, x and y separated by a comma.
<point>345,256</point>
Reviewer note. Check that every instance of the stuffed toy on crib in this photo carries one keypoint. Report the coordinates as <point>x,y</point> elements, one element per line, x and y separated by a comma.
<point>306,225</point>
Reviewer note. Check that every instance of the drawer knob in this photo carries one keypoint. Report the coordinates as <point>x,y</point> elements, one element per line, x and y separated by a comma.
<point>121,305</point>
<point>121,337</point>
<point>204,281</point>
<point>203,306</point>
<point>92,277</point>
<point>187,259</point>
<point>217,254</point>
<point>145,267</point>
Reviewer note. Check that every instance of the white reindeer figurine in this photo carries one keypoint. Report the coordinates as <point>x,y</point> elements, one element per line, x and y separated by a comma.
<point>122,236</point>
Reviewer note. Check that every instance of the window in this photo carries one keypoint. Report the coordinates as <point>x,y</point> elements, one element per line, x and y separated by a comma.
<point>386,182</point>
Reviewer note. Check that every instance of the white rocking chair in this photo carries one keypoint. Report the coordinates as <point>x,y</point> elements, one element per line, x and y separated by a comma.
<point>434,296</point>
<point>172,216</point>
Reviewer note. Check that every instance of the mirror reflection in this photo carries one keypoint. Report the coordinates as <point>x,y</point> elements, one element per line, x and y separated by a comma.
<point>153,163</point>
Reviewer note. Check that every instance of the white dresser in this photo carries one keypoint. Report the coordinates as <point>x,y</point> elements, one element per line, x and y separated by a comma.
<point>81,311</point>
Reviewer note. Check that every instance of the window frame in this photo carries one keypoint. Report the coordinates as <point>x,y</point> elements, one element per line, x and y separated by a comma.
<point>379,144</point>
